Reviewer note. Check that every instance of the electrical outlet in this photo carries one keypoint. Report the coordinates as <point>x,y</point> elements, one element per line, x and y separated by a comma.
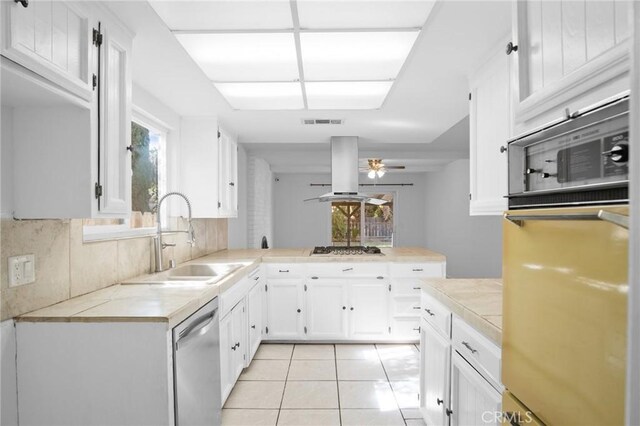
<point>22,270</point>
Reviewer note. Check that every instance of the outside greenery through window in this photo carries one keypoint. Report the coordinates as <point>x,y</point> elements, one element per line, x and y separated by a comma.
<point>349,226</point>
<point>144,181</point>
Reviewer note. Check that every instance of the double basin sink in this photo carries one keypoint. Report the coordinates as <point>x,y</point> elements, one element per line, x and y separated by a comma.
<point>203,273</point>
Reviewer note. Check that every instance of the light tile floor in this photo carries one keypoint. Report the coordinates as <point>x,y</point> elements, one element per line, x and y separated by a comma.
<point>327,385</point>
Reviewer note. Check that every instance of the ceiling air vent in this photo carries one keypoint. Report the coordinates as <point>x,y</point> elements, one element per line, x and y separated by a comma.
<point>322,121</point>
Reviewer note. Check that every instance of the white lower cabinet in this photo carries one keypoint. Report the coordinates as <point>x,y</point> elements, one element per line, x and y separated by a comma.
<point>368,309</point>
<point>473,400</point>
<point>326,309</point>
<point>459,370</point>
<point>254,318</point>
<point>284,309</point>
<point>435,360</point>
<point>233,335</point>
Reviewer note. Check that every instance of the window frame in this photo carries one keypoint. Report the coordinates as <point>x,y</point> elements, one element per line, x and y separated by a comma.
<point>123,231</point>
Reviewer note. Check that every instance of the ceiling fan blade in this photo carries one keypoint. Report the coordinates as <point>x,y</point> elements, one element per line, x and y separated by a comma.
<point>394,167</point>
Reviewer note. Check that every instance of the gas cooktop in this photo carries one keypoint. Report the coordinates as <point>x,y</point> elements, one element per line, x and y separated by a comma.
<point>345,251</point>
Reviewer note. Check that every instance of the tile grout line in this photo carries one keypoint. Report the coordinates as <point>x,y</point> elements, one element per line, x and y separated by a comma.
<point>335,358</point>
<point>391,387</point>
<point>286,380</point>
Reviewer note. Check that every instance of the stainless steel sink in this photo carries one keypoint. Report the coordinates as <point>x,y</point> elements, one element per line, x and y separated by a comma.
<point>208,273</point>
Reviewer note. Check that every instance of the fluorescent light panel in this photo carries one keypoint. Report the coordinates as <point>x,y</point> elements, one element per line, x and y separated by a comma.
<point>244,57</point>
<point>363,13</point>
<point>262,96</point>
<point>347,95</point>
<point>355,55</point>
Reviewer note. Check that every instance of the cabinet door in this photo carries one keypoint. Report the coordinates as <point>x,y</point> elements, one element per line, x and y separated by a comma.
<point>284,309</point>
<point>490,119</point>
<point>238,316</point>
<point>255,320</point>
<point>368,309</point>
<point>51,38</point>
<point>473,400</point>
<point>115,123</point>
<point>326,309</point>
<point>228,176</point>
<point>435,356</point>
<point>226,356</point>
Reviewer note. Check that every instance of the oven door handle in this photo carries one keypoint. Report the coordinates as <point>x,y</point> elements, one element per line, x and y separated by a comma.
<point>615,218</point>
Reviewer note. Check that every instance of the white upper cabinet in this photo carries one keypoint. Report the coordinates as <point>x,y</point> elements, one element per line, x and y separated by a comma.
<point>209,172</point>
<point>52,38</point>
<point>490,128</point>
<point>570,54</point>
<point>228,175</point>
<point>74,163</point>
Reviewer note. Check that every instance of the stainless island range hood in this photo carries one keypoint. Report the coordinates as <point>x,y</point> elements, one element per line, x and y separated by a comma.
<point>344,173</point>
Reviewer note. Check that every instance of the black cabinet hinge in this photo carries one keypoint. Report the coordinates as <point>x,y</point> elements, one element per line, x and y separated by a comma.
<point>305,287</point>
<point>389,330</point>
<point>389,287</point>
<point>98,190</point>
<point>219,204</point>
<point>219,134</point>
<point>265,287</point>
<point>305,329</point>
<point>266,329</point>
<point>469,95</point>
<point>97,36</point>
<point>94,81</point>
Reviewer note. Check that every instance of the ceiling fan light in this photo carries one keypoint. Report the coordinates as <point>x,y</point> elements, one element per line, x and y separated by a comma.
<point>381,173</point>
<point>371,174</point>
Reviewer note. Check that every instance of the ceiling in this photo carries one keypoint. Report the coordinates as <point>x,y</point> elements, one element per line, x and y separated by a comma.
<point>429,96</point>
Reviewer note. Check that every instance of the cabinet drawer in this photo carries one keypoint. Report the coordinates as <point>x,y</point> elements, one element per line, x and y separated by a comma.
<point>339,270</point>
<point>436,314</point>
<point>231,297</point>
<point>406,305</point>
<point>284,270</point>
<point>408,270</point>
<point>476,349</point>
<point>406,286</point>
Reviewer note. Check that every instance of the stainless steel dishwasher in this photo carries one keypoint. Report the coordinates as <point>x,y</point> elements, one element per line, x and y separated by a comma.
<point>196,368</point>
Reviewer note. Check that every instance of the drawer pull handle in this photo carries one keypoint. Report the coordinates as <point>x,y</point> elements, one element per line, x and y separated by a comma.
<point>439,401</point>
<point>256,278</point>
<point>416,307</point>
<point>314,278</point>
<point>468,346</point>
<point>417,329</point>
<point>283,270</point>
<point>380,278</point>
<point>253,326</point>
<point>24,3</point>
<point>418,270</point>
<point>348,269</point>
<point>416,288</point>
<point>429,312</point>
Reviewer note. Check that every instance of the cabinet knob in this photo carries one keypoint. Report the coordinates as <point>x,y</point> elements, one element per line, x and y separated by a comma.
<point>232,184</point>
<point>233,348</point>
<point>344,308</point>
<point>24,3</point>
<point>511,48</point>
<point>449,412</point>
<point>130,148</point>
<point>253,326</point>
<point>439,401</point>
<point>351,309</point>
<point>299,310</point>
<point>503,149</point>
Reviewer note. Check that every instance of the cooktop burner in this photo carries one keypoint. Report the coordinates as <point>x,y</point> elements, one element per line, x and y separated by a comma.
<point>342,250</point>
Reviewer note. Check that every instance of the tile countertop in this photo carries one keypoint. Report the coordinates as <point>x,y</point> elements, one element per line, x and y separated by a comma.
<point>477,301</point>
<point>172,304</point>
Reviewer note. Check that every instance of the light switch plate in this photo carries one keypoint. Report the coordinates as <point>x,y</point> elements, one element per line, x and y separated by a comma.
<point>21,270</point>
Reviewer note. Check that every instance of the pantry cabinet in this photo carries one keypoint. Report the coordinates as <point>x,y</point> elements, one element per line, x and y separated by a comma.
<point>569,54</point>
<point>52,38</point>
<point>490,127</point>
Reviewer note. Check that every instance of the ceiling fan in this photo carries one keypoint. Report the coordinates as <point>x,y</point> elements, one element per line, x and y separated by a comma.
<point>377,168</point>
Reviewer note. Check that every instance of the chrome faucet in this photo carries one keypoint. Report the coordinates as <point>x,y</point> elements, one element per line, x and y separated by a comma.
<point>157,240</point>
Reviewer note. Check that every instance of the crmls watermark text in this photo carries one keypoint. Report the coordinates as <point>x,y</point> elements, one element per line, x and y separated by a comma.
<point>508,417</point>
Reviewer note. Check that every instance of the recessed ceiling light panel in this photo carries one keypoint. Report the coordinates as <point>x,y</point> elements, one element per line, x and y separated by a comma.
<point>262,96</point>
<point>355,55</point>
<point>244,57</point>
<point>363,13</point>
<point>347,95</point>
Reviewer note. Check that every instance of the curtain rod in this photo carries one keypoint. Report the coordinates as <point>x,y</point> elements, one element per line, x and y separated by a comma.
<point>367,184</point>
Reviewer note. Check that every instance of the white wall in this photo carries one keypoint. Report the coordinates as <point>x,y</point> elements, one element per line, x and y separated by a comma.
<point>6,156</point>
<point>238,237</point>
<point>307,224</point>
<point>472,244</point>
<point>260,202</point>
<point>8,386</point>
